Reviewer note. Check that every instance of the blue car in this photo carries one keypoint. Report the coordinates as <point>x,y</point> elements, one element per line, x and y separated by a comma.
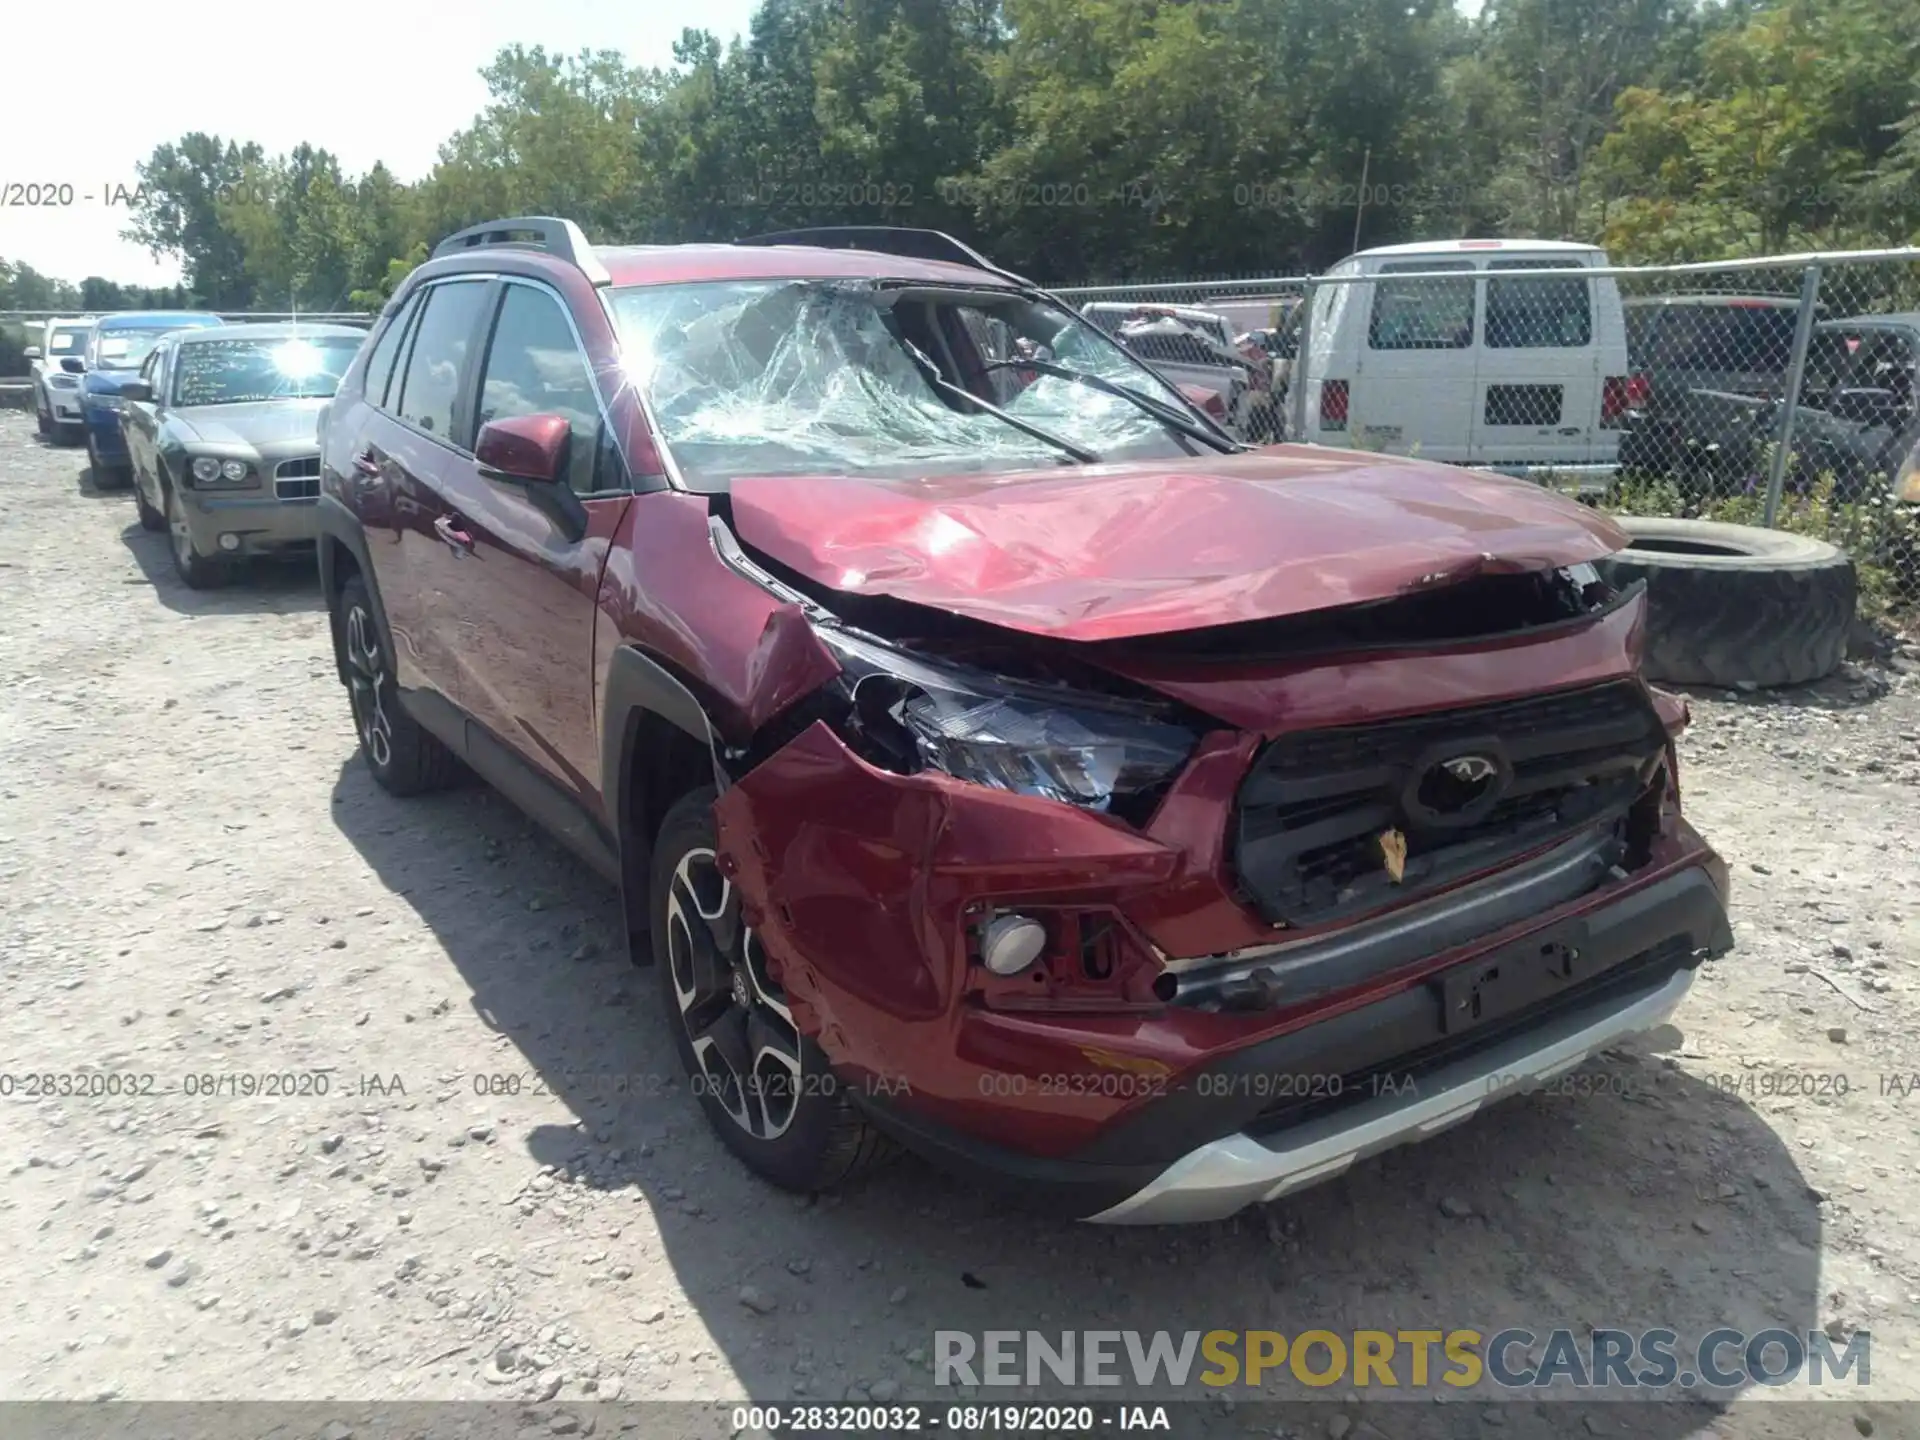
<point>116,349</point>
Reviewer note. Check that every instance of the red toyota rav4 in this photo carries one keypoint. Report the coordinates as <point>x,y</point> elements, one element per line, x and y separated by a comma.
<point>993,753</point>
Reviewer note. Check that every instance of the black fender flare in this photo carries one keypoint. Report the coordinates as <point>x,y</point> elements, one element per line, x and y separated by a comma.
<point>637,685</point>
<point>336,522</point>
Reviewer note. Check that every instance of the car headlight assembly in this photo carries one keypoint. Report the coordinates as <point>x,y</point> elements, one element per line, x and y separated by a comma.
<point>1090,751</point>
<point>211,470</point>
<point>107,402</point>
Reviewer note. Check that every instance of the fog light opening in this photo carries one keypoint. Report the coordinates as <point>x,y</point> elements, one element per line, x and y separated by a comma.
<point>229,542</point>
<point>1010,943</point>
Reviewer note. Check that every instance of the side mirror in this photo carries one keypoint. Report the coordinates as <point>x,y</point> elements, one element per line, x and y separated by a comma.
<point>527,448</point>
<point>32,352</point>
<point>530,451</point>
<point>74,365</point>
<point>137,392</point>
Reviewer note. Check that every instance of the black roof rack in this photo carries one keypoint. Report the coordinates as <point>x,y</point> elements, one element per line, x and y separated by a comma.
<point>888,240</point>
<point>549,233</point>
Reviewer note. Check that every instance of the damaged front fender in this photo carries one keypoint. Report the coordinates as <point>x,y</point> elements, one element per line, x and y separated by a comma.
<point>813,835</point>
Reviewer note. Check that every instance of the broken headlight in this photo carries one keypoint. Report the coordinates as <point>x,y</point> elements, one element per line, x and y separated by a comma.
<point>912,713</point>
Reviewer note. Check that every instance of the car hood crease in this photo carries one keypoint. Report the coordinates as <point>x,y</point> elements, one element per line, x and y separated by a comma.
<point>1109,552</point>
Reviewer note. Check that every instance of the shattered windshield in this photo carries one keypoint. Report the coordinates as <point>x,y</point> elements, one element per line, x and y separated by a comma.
<point>797,377</point>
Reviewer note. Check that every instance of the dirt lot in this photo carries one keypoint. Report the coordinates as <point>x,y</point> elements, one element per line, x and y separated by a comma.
<point>200,885</point>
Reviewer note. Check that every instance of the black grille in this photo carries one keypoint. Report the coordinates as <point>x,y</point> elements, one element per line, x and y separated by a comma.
<point>307,467</point>
<point>1318,812</point>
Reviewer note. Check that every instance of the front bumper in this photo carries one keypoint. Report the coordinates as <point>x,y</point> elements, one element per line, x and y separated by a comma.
<point>1366,1080</point>
<point>258,524</point>
<point>62,402</point>
<point>1225,1175</point>
<point>1416,1096</point>
<point>1130,1111</point>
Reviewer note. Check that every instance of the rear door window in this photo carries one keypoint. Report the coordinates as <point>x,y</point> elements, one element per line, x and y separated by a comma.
<point>1426,314</point>
<point>1544,312</point>
<point>437,364</point>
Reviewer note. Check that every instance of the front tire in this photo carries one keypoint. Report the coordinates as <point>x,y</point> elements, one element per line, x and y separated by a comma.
<point>766,1088</point>
<point>404,757</point>
<point>43,421</point>
<point>196,571</point>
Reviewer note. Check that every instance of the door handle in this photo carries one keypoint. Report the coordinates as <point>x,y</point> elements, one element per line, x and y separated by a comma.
<point>459,540</point>
<point>366,464</point>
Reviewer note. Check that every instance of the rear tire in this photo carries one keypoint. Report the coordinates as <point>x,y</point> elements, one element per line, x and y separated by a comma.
<point>405,758</point>
<point>1734,605</point>
<point>767,1089</point>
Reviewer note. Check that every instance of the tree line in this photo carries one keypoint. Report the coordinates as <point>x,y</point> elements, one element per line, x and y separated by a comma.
<point>1107,140</point>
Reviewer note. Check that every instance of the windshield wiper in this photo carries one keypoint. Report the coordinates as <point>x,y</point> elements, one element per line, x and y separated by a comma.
<point>1159,409</point>
<point>946,386</point>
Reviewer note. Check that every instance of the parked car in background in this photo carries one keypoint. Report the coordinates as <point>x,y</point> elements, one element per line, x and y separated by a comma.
<point>1687,352</point>
<point>1186,345</point>
<point>1255,312</point>
<point>117,346</point>
<point>1525,374</point>
<point>221,431</point>
<point>1036,776</point>
<point>56,391</point>
<point>1278,346</point>
<point>1859,420</point>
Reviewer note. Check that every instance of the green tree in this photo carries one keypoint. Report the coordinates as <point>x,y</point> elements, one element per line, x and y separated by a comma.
<point>188,196</point>
<point>24,288</point>
<point>1779,143</point>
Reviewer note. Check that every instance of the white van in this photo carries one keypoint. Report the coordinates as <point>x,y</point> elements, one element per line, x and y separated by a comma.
<point>1519,373</point>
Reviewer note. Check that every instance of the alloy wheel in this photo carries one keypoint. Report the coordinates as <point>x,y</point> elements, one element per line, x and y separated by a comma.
<point>737,1020</point>
<point>367,685</point>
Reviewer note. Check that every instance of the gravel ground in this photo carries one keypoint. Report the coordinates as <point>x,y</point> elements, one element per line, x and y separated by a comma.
<point>202,887</point>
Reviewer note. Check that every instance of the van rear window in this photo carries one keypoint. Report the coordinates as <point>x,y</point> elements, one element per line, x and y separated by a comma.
<point>1546,312</point>
<point>1426,314</point>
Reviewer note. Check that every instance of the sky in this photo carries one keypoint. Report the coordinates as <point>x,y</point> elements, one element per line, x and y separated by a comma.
<point>369,80</point>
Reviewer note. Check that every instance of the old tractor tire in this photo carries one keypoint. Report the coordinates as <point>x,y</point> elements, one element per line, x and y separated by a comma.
<point>1734,605</point>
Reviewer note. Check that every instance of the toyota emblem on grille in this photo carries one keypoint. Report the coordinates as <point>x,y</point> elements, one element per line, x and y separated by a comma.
<point>1471,770</point>
<point>1458,786</point>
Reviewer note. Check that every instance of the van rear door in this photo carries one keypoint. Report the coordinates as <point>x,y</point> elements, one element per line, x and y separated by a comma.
<point>1537,382</point>
<point>1412,387</point>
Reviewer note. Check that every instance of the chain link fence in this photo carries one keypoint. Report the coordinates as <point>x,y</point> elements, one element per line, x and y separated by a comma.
<point>1778,391</point>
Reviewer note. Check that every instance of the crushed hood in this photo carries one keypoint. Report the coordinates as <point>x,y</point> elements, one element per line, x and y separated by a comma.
<point>1108,552</point>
